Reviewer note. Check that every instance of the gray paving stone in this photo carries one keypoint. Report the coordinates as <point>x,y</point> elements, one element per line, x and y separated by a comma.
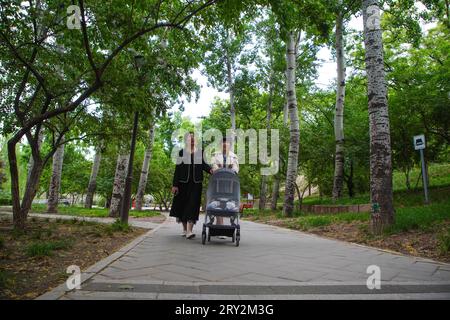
<point>267,256</point>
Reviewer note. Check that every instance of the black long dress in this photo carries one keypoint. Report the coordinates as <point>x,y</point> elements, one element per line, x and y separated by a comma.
<point>188,178</point>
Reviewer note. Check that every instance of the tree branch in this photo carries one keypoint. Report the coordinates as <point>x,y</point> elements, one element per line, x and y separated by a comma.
<point>86,42</point>
<point>29,67</point>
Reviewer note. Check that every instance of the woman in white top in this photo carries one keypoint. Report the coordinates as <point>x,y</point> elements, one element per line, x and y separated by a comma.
<point>225,158</point>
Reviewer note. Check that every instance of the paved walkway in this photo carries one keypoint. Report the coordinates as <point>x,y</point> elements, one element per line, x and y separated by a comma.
<point>270,263</point>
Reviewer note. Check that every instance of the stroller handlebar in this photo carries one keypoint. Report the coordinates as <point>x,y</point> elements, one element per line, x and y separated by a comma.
<point>224,170</point>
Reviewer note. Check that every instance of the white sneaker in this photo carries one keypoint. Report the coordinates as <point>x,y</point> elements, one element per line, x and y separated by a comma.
<point>183,234</point>
<point>190,235</point>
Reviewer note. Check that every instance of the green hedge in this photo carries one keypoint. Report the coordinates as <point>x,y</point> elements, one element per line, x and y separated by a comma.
<point>5,198</point>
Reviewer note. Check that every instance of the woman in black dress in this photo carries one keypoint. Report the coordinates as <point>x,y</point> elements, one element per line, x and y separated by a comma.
<point>187,186</point>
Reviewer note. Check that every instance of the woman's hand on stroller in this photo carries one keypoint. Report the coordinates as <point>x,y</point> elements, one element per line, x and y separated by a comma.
<point>174,190</point>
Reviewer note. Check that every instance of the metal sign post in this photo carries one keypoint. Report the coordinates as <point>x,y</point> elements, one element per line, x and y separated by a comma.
<point>419,144</point>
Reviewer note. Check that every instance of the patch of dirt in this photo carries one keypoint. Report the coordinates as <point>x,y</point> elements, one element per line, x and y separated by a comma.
<point>155,219</point>
<point>26,277</point>
<point>419,243</point>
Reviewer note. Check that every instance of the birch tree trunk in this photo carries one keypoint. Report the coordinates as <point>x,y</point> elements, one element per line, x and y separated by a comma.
<point>275,193</point>
<point>294,131</point>
<point>144,172</point>
<point>93,179</point>
<point>231,91</point>
<point>285,107</point>
<point>380,140</point>
<point>119,185</point>
<point>55,179</point>
<point>338,180</point>
<point>263,190</point>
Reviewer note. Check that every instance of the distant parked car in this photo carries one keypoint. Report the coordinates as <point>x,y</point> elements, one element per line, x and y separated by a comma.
<point>65,202</point>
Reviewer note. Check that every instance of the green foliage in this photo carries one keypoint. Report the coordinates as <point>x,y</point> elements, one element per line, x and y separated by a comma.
<point>314,222</point>
<point>408,218</point>
<point>75,173</point>
<point>46,248</point>
<point>119,226</point>
<point>439,189</point>
<point>421,217</point>
<point>317,144</point>
<point>5,198</point>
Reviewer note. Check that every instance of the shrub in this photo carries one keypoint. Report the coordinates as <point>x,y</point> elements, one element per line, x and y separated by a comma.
<point>119,226</point>
<point>314,221</point>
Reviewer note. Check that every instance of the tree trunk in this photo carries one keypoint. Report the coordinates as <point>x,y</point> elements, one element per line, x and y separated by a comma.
<point>2,173</point>
<point>20,211</point>
<point>93,179</point>
<point>55,179</point>
<point>108,202</point>
<point>263,190</point>
<point>380,139</point>
<point>407,178</point>
<point>350,185</point>
<point>339,112</point>
<point>119,184</point>
<point>31,161</point>
<point>144,173</point>
<point>299,195</point>
<point>291,174</point>
<point>231,91</point>
<point>275,193</point>
<point>263,193</point>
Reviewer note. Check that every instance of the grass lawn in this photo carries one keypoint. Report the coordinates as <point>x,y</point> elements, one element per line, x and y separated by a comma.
<point>94,212</point>
<point>35,260</point>
<point>439,179</point>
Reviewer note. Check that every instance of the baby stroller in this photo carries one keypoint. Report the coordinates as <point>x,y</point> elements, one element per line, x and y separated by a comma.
<point>222,200</point>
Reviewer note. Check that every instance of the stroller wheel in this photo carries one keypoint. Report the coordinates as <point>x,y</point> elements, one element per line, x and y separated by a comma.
<point>209,237</point>
<point>233,237</point>
<point>203,237</point>
<point>238,238</point>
